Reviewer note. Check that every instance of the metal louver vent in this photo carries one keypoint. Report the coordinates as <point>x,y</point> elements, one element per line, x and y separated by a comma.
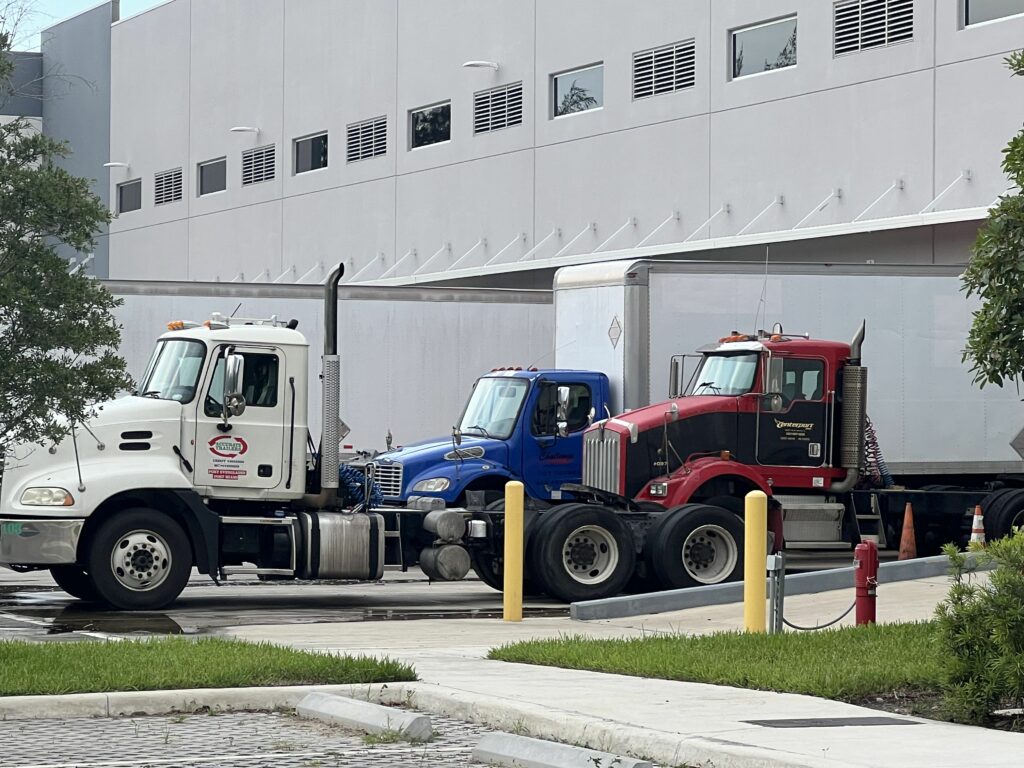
<point>665,69</point>
<point>167,186</point>
<point>498,108</point>
<point>862,24</point>
<point>258,164</point>
<point>367,139</point>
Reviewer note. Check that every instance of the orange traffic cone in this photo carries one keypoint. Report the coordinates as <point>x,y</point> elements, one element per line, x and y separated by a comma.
<point>978,526</point>
<point>908,542</point>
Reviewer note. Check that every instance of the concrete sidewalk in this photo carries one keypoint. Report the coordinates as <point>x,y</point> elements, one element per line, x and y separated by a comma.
<point>670,722</point>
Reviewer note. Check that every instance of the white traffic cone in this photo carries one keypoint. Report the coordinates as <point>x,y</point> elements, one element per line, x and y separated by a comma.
<point>978,526</point>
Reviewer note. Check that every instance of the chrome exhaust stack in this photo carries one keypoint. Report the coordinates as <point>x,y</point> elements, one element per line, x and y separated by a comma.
<point>853,415</point>
<point>330,397</point>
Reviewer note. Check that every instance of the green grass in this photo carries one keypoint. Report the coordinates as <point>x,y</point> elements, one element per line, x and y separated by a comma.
<point>848,663</point>
<point>146,665</point>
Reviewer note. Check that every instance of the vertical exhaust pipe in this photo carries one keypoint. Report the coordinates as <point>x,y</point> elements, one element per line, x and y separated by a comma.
<point>331,386</point>
<point>852,415</point>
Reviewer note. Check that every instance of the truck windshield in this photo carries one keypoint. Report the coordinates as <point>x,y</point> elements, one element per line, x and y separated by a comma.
<point>724,375</point>
<point>173,370</point>
<point>493,407</point>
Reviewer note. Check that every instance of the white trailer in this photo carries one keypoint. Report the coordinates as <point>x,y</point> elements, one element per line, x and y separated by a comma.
<point>629,318</point>
<point>410,354</point>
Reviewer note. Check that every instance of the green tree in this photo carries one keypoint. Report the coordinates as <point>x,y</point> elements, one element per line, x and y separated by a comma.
<point>58,337</point>
<point>995,345</point>
<point>576,99</point>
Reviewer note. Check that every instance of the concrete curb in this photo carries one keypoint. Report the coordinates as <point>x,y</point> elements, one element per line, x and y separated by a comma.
<point>721,594</point>
<point>522,752</point>
<point>540,722</point>
<point>364,716</point>
<point>557,725</point>
<point>166,702</point>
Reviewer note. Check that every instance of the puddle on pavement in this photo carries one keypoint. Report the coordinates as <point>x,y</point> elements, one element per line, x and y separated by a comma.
<point>77,618</point>
<point>53,617</point>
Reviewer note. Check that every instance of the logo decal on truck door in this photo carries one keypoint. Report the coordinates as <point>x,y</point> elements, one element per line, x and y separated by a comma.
<point>226,460</point>
<point>228,447</point>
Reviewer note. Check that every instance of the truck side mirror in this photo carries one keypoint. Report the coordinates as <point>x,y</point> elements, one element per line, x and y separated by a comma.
<point>234,401</point>
<point>675,377</point>
<point>773,385</point>
<point>562,412</point>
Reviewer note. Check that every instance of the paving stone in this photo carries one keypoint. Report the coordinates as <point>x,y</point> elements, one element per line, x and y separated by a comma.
<point>271,740</point>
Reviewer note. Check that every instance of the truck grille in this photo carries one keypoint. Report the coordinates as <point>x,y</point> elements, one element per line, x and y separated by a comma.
<point>389,478</point>
<point>601,460</point>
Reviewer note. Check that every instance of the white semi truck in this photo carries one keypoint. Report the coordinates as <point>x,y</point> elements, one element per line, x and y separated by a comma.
<point>209,464</point>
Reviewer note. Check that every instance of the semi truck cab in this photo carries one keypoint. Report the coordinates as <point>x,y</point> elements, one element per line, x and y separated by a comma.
<point>510,429</point>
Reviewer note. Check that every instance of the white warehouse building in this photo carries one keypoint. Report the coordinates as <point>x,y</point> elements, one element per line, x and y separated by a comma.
<point>488,143</point>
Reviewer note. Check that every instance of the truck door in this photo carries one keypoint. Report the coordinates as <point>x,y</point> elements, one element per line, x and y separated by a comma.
<point>795,434</point>
<point>251,453</point>
<point>550,460</point>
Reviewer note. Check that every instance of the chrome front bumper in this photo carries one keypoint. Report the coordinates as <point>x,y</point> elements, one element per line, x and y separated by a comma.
<point>39,542</point>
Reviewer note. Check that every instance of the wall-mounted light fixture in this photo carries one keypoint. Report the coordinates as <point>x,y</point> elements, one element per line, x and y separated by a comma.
<point>482,64</point>
<point>245,129</point>
<point>116,165</point>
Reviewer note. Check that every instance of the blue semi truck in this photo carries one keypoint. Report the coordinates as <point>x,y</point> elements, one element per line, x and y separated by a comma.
<point>509,430</point>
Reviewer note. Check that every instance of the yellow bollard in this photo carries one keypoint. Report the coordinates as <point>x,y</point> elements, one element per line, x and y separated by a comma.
<point>755,544</point>
<point>513,566</point>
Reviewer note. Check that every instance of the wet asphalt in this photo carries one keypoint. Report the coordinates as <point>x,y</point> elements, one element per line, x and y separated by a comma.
<point>33,608</point>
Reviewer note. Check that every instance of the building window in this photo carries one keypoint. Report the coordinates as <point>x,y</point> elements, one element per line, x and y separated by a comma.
<point>311,153</point>
<point>430,125</point>
<point>862,24</point>
<point>258,165</point>
<point>764,47</point>
<point>577,91</point>
<point>213,176</point>
<point>979,11</point>
<point>167,187</point>
<point>497,108</point>
<point>129,196</point>
<point>367,139</point>
<point>665,69</point>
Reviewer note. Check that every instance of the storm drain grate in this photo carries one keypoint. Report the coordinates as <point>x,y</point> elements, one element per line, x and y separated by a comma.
<point>829,722</point>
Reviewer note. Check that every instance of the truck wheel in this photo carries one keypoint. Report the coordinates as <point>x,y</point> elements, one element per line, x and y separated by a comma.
<point>488,566</point>
<point>75,581</point>
<point>1004,514</point>
<point>140,559</point>
<point>582,552</point>
<point>696,544</point>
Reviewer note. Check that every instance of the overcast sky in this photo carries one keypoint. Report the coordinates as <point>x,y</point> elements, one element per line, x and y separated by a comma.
<point>50,11</point>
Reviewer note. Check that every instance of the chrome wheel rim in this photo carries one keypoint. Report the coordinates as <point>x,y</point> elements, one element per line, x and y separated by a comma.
<point>710,554</point>
<point>590,554</point>
<point>141,560</point>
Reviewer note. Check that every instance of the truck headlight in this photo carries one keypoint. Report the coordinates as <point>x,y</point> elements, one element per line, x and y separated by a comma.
<point>659,489</point>
<point>47,497</point>
<point>433,485</point>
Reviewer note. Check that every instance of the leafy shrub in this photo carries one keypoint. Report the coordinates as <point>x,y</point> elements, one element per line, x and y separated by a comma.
<point>981,630</point>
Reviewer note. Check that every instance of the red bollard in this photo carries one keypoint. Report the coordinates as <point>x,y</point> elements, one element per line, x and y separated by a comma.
<point>865,578</point>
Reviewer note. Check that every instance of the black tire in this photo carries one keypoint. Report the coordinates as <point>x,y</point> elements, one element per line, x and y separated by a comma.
<point>75,581</point>
<point>1005,514</point>
<point>582,552</point>
<point>153,564</point>
<point>732,503</point>
<point>488,566</point>
<point>694,545</point>
<point>988,503</point>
